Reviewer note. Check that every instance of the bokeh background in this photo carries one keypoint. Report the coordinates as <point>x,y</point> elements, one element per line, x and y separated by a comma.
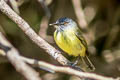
<point>102,34</point>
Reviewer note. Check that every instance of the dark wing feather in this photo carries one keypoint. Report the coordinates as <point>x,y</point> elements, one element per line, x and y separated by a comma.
<point>83,41</point>
<point>81,38</point>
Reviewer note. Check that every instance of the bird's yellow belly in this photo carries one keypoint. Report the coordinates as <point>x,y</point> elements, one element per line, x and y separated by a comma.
<point>70,44</point>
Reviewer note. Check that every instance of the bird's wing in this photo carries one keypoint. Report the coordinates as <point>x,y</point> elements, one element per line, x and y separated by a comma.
<point>81,38</point>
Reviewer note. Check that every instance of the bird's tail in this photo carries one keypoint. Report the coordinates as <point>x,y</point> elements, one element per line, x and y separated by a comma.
<point>87,61</point>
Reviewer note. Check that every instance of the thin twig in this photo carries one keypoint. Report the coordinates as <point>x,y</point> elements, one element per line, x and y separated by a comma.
<point>79,14</point>
<point>13,56</point>
<point>43,30</point>
<point>15,6</point>
<point>66,70</point>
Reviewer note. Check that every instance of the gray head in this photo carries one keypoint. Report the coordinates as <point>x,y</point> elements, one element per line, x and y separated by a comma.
<point>64,22</point>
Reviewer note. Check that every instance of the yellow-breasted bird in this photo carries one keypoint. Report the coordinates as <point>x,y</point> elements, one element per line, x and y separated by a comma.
<point>69,38</point>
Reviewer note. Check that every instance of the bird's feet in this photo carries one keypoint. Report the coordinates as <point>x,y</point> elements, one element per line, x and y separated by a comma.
<point>71,64</point>
<point>74,66</point>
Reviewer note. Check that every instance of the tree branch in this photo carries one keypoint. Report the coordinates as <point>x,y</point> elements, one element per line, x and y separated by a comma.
<point>79,14</point>
<point>43,30</point>
<point>31,34</point>
<point>66,70</point>
<point>18,62</point>
<point>13,56</point>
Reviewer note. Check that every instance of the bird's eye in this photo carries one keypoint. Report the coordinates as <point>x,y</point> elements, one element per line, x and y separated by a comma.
<point>65,23</point>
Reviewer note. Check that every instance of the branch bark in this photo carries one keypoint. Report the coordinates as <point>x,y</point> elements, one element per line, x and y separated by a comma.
<point>13,56</point>
<point>66,70</point>
<point>31,34</point>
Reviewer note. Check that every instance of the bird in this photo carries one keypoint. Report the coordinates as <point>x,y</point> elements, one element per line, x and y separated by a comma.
<point>69,38</point>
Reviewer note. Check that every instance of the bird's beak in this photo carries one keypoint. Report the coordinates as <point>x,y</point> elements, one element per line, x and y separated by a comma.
<point>52,24</point>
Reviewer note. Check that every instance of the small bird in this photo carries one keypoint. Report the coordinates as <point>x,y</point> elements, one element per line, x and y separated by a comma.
<point>68,37</point>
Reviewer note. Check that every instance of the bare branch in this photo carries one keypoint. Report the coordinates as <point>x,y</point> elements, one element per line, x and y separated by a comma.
<point>13,56</point>
<point>66,70</point>
<point>31,34</point>
<point>15,6</point>
<point>79,13</point>
<point>18,62</point>
<point>43,30</point>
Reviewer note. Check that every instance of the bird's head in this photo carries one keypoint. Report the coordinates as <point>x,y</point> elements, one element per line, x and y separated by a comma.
<point>63,22</point>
